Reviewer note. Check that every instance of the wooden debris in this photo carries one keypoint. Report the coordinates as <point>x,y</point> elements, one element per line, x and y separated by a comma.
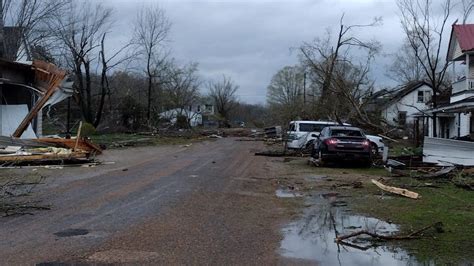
<point>82,144</point>
<point>53,77</point>
<point>40,157</point>
<point>396,190</point>
<point>395,163</point>
<point>78,137</point>
<point>439,174</point>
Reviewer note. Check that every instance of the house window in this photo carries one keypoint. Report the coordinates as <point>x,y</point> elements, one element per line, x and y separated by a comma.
<point>199,108</point>
<point>424,96</point>
<point>402,118</point>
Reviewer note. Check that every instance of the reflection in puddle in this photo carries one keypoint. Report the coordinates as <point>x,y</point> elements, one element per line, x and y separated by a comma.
<point>312,237</point>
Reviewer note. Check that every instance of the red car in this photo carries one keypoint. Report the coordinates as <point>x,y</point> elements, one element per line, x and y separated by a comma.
<point>342,143</point>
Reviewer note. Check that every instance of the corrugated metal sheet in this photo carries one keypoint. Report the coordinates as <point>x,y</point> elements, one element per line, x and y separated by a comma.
<point>465,35</point>
<point>446,151</point>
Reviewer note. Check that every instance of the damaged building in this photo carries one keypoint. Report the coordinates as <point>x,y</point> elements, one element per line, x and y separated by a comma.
<point>455,129</point>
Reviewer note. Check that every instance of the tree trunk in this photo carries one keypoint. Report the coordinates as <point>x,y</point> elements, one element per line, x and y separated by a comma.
<point>88,110</point>
<point>148,112</point>
<point>435,117</point>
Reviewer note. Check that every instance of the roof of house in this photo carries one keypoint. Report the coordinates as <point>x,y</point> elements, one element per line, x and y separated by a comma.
<point>386,97</point>
<point>465,36</point>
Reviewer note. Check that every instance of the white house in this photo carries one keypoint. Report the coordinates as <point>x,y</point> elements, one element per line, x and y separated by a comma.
<point>399,107</point>
<point>196,114</point>
<point>194,119</point>
<point>455,119</point>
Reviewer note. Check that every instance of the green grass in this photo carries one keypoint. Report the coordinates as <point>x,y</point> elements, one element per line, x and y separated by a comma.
<point>452,206</point>
<point>300,164</point>
<point>404,147</point>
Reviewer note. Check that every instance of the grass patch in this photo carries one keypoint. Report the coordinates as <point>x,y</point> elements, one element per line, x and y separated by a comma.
<point>452,206</point>
<point>404,148</point>
<point>301,164</point>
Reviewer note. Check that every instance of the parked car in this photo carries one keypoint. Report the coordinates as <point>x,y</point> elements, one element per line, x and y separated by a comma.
<point>301,134</point>
<point>342,143</point>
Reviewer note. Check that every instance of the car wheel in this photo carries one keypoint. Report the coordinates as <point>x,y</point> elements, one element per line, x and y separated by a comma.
<point>368,163</point>
<point>374,150</point>
<point>313,152</point>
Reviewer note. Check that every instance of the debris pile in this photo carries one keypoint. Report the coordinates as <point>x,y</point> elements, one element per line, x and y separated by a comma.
<point>46,150</point>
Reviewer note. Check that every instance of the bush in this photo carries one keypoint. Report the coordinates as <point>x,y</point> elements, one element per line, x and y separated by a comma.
<point>87,130</point>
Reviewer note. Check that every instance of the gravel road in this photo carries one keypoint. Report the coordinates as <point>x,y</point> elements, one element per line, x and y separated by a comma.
<point>209,203</point>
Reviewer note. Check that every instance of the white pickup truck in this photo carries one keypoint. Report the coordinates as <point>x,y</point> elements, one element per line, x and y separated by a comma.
<point>301,134</point>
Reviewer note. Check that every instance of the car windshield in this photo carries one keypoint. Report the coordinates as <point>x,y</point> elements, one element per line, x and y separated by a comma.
<point>306,127</point>
<point>346,133</point>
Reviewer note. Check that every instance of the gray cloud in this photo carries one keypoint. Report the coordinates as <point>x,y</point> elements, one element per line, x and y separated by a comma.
<point>250,40</point>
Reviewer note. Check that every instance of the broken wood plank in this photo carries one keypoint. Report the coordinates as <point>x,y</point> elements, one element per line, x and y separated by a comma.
<point>38,157</point>
<point>439,174</point>
<point>396,190</point>
<point>55,80</point>
<point>78,136</point>
<point>83,144</point>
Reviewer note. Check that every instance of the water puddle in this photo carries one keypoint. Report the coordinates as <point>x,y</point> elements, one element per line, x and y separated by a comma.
<point>312,237</point>
<point>72,232</point>
<point>287,193</point>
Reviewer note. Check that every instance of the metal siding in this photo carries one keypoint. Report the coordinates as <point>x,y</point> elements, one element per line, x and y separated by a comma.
<point>465,35</point>
<point>445,151</point>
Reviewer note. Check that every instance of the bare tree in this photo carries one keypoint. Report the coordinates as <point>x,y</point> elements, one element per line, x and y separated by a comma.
<point>81,32</point>
<point>467,7</point>
<point>223,94</point>
<point>28,21</point>
<point>182,87</point>
<point>107,64</point>
<point>424,30</point>
<point>151,30</point>
<point>405,66</point>
<point>322,57</point>
<point>285,93</point>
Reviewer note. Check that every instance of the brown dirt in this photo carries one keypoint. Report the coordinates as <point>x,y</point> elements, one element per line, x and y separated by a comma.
<point>211,203</point>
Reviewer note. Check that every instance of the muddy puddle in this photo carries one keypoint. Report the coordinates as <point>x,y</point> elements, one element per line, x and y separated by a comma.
<point>311,238</point>
<point>287,193</point>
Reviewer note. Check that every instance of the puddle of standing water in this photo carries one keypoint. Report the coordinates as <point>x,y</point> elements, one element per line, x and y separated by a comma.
<point>312,237</point>
<point>285,193</point>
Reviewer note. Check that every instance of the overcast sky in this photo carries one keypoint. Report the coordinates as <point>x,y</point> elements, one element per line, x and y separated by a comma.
<point>250,40</point>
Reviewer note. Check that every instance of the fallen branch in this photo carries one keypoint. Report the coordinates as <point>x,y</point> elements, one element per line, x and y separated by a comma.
<point>396,190</point>
<point>438,226</point>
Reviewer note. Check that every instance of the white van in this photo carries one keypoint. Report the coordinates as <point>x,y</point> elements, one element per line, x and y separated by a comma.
<point>301,134</point>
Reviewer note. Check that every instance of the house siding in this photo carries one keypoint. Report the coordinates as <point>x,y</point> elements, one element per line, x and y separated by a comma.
<point>471,67</point>
<point>457,50</point>
<point>409,104</point>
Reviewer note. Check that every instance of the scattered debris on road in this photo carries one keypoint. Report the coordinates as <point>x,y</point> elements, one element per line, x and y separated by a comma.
<point>14,198</point>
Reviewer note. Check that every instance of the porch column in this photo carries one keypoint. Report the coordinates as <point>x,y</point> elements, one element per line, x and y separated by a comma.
<point>468,72</point>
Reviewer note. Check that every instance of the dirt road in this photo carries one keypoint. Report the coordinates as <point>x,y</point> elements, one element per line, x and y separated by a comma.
<point>212,202</point>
